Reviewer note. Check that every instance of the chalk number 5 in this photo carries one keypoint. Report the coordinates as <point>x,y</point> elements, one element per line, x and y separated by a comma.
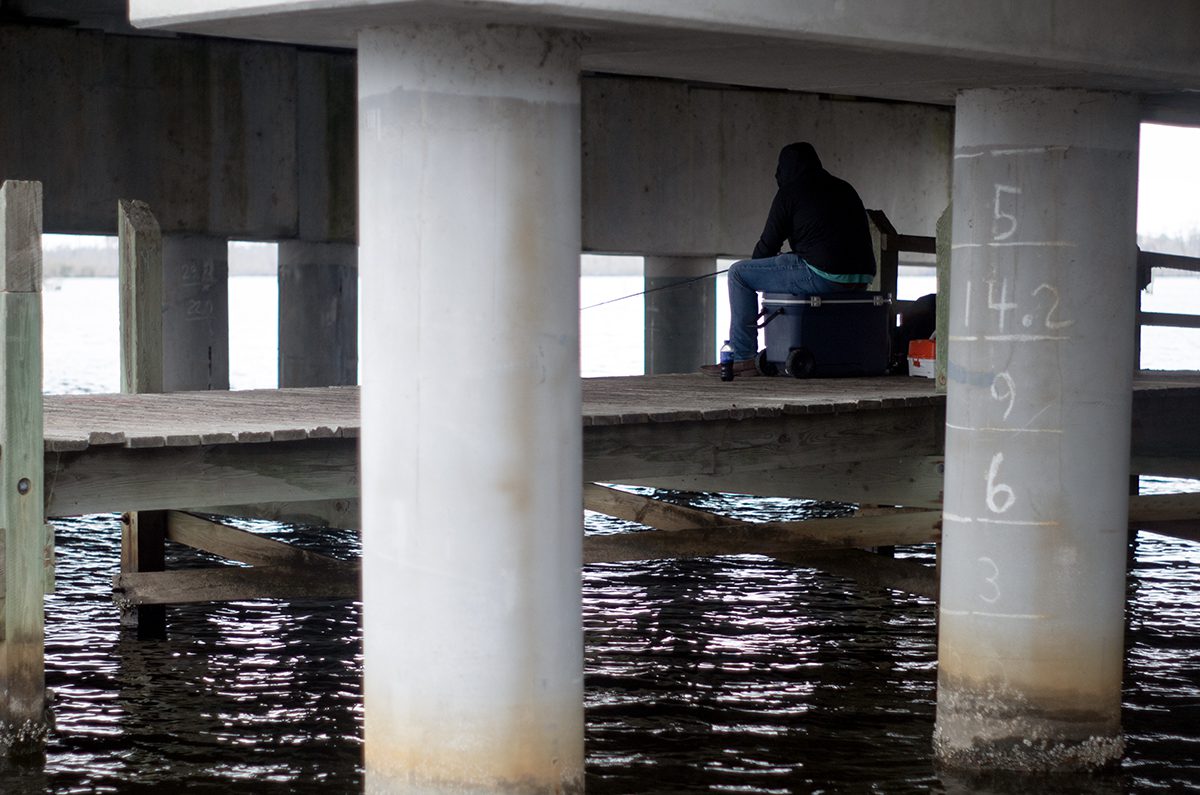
<point>1001,218</point>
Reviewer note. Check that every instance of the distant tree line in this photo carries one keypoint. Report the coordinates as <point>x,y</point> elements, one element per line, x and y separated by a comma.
<point>248,259</point>
<point>1188,245</point>
<point>60,262</point>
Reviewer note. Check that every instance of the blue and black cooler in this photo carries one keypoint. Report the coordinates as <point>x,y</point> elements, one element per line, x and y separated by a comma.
<point>836,334</point>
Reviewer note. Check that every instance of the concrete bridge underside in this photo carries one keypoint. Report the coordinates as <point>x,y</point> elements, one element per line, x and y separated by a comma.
<point>485,164</point>
<point>480,104</point>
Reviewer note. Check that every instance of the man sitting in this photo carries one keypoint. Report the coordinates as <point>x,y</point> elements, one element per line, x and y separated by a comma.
<point>823,219</point>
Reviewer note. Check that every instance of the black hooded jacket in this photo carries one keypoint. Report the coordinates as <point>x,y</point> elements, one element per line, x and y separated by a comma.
<point>820,215</point>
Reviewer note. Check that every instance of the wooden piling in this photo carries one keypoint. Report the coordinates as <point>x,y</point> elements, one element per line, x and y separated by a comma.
<point>143,533</point>
<point>141,282</point>
<point>884,240</point>
<point>23,718</point>
<point>942,327</point>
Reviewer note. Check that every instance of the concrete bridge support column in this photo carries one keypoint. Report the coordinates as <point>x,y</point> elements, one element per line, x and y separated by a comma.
<point>195,312</point>
<point>1037,439</point>
<point>318,313</point>
<point>469,147</point>
<point>681,320</point>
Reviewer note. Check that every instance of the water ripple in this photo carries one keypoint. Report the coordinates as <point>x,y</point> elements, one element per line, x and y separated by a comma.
<point>728,674</point>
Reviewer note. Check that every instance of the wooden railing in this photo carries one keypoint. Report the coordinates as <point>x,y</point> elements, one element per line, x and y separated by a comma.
<point>889,244</point>
<point>1148,260</point>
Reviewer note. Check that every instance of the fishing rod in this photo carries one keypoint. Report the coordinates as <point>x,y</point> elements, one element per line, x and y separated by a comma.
<point>671,286</point>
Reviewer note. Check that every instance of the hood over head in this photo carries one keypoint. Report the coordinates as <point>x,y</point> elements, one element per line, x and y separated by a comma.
<point>794,160</point>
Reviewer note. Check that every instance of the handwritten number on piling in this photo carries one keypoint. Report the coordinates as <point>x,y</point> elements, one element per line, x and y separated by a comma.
<point>1001,217</point>
<point>199,309</point>
<point>995,489</point>
<point>1050,322</point>
<point>990,579</point>
<point>202,273</point>
<point>1003,381</point>
<point>1003,305</point>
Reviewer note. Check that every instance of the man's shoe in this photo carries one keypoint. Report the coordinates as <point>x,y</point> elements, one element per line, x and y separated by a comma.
<point>742,368</point>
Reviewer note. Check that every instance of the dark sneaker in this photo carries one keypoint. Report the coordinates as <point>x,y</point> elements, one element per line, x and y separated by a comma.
<point>742,368</point>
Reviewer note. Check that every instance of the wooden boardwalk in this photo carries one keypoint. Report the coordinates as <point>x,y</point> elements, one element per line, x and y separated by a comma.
<point>190,419</point>
<point>828,438</point>
<point>674,398</point>
<point>872,440</point>
<point>125,452</point>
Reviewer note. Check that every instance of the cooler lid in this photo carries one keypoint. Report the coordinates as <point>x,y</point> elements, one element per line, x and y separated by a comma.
<point>848,297</point>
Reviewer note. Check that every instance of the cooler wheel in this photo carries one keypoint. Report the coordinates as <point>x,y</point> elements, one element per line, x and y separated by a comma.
<point>800,363</point>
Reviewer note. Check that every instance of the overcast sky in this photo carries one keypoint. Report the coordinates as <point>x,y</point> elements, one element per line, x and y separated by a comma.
<point>1169,180</point>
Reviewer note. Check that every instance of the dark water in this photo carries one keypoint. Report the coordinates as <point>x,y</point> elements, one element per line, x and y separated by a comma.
<point>719,675</point>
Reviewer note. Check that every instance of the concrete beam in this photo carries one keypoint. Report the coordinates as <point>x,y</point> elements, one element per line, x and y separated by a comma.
<point>257,141</point>
<point>326,146</point>
<point>918,50</point>
<point>225,138</point>
<point>675,169</point>
<point>108,15</point>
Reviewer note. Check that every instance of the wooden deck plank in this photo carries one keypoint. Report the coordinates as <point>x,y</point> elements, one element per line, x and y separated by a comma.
<point>101,449</point>
<point>193,418</point>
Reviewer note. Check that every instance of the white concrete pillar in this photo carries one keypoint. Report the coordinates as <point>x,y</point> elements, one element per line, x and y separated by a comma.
<point>681,313</point>
<point>318,313</point>
<point>469,148</point>
<point>195,312</point>
<point>1037,440</point>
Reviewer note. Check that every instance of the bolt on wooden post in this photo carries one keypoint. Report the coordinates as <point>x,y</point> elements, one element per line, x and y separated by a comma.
<point>23,717</point>
<point>143,533</point>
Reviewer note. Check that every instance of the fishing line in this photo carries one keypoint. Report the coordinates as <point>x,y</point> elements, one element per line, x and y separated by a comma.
<point>671,286</point>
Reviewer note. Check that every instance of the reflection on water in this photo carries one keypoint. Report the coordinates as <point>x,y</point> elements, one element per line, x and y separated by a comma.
<point>728,674</point>
<point>741,675</point>
<point>257,697</point>
<point>721,675</point>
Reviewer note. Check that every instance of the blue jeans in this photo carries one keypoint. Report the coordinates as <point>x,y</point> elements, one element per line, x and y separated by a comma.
<point>785,273</point>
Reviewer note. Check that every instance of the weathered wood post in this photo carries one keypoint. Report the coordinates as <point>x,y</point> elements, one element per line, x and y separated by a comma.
<point>143,533</point>
<point>887,255</point>
<point>23,717</point>
<point>1145,276</point>
<point>942,326</point>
